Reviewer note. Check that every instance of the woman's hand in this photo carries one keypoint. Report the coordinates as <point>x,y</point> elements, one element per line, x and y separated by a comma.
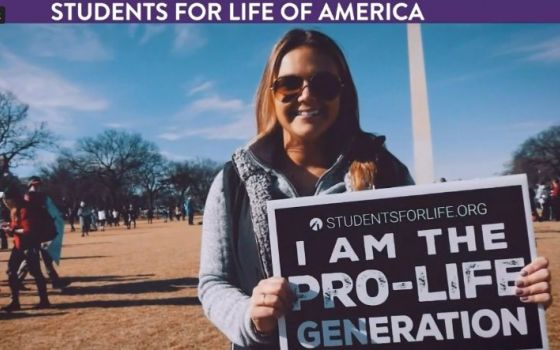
<point>534,284</point>
<point>270,300</point>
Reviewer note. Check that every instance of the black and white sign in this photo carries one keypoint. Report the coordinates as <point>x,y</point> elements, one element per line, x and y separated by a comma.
<point>419,267</point>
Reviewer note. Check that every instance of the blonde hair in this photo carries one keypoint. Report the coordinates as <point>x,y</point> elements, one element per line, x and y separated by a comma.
<point>347,125</point>
<point>362,175</point>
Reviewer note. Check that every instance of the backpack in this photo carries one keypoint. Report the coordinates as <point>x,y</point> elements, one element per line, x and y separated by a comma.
<point>44,228</point>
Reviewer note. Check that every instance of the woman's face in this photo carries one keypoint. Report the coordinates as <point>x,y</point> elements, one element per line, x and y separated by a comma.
<point>307,115</point>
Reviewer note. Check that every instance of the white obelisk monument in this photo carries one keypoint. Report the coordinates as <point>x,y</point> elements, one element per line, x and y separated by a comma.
<point>421,131</point>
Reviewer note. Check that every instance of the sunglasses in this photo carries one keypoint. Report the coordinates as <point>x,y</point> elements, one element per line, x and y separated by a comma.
<point>323,85</point>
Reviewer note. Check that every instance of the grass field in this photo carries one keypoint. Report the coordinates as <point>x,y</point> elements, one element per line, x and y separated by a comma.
<point>136,289</point>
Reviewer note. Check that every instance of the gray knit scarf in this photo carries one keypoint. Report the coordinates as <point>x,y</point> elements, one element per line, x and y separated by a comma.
<point>258,183</point>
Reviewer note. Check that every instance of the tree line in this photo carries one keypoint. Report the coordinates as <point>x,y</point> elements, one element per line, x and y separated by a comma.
<point>109,170</point>
<point>117,168</point>
<point>538,157</point>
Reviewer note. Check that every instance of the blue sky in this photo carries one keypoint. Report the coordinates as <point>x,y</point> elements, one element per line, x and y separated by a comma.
<point>190,88</point>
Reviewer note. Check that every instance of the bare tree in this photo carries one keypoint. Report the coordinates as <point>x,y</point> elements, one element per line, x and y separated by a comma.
<point>203,173</point>
<point>152,177</point>
<point>193,178</point>
<point>114,158</point>
<point>68,187</point>
<point>538,156</point>
<point>180,178</point>
<point>19,141</point>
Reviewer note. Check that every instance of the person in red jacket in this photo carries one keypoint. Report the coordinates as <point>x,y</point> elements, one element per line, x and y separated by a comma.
<point>26,247</point>
<point>35,197</point>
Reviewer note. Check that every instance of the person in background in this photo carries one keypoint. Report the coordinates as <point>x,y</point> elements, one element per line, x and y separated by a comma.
<point>84,213</point>
<point>170,213</point>
<point>541,198</point>
<point>7,179</point>
<point>189,209</point>
<point>101,219</point>
<point>533,204</point>
<point>49,251</point>
<point>26,247</point>
<point>4,217</point>
<point>555,200</point>
<point>71,215</point>
<point>165,214</point>
<point>116,218</point>
<point>130,217</point>
<point>93,223</point>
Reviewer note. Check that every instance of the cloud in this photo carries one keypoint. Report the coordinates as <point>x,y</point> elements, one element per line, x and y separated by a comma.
<point>211,104</point>
<point>172,136</point>
<point>202,87</point>
<point>115,125</point>
<point>51,97</point>
<point>72,43</point>
<point>458,77</point>
<point>150,32</point>
<point>175,157</point>
<point>133,29</point>
<point>544,50</point>
<point>241,128</point>
<point>67,143</point>
<point>188,38</point>
<point>531,125</point>
<point>213,118</point>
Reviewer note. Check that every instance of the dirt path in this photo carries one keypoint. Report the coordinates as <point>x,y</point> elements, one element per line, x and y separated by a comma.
<point>136,289</point>
<point>548,244</point>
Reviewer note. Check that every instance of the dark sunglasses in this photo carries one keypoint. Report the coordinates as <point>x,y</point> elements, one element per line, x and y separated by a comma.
<point>323,85</point>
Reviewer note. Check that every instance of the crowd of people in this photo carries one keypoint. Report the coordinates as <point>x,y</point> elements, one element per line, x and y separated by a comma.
<point>30,217</point>
<point>546,201</point>
<point>179,212</point>
<point>97,219</point>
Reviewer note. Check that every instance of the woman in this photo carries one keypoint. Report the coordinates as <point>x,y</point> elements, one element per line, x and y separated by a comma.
<point>309,142</point>
<point>85,215</point>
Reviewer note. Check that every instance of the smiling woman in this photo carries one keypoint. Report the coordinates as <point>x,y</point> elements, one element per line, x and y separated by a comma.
<point>309,142</point>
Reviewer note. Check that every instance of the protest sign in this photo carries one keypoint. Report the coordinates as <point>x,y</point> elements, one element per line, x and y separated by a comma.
<point>419,267</point>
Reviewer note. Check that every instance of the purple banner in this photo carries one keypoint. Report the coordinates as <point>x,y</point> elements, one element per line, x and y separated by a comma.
<point>327,11</point>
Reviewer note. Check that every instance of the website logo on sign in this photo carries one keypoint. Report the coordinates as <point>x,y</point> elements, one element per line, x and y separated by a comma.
<point>316,224</point>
